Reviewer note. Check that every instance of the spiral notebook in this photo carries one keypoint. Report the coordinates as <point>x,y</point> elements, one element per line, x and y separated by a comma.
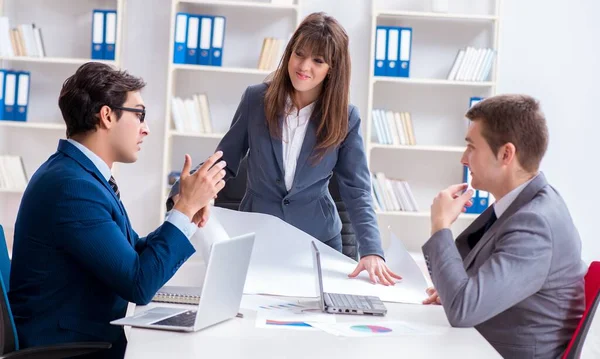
<point>178,295</point>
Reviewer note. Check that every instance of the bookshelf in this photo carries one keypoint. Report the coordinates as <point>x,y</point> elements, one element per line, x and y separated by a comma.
<point>436,104</point>
<point>230,70</point>
<point>67,47</point>
<point>442,82</point>
<point>52,60</point>
<point>11,190</point>
<point>33,125</point>
<point>453,149</point>
<point>243,4</point>
<point>223,85</point>
<point>433,15</point>
<point>217,136</point>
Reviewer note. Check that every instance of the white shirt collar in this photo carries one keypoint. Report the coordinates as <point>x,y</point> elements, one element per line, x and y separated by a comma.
<point>97,161</point>
<point>305,112</point>
<point>503,203</point>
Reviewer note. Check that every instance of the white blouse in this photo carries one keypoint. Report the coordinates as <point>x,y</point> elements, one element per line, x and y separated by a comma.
<point>294,131</point>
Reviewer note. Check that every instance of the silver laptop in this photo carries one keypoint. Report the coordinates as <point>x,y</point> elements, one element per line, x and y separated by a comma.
<point>221,293</point>
<point>343,303</point>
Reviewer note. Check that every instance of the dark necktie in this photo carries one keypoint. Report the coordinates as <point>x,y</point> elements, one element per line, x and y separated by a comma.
<point>113,185</point>
<point>476,236</point>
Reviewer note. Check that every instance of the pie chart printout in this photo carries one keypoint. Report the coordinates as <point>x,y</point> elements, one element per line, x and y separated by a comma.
<point>370,329</point>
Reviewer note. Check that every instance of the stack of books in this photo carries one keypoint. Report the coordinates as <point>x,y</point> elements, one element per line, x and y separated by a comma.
<point>392,195</point>
<point>270,54</point>
<point>472,64</point>
<point>191,115</point>
<point>12,173</point>
<point>393,128</point>
<point>23,40</point>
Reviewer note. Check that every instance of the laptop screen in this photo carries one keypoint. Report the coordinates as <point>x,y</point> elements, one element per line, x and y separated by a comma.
<point>318,275</point>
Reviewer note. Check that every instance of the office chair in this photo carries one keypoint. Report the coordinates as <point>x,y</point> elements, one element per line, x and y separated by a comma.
<point>231,196</point>
<point>9,342</point>
<point>4,260</point>
<point>592,301</point>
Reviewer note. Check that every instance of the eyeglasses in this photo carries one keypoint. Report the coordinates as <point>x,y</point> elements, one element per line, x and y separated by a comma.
<point>142,111</point>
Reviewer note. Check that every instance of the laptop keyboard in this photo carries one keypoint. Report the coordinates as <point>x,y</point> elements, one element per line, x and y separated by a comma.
<point>350,301</point>
<point>185,319</point>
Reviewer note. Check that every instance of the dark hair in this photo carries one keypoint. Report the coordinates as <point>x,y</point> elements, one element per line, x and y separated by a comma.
<point>515,119</point>
<point>325,37</point>
<point>92,86</point>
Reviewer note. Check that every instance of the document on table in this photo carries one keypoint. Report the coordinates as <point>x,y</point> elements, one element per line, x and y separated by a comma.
<point>282,265</point>
<point>265,302</point>
<point>378,329</point>
<point>296,318</point>
<point>204,237</point>
<point>401,262</point>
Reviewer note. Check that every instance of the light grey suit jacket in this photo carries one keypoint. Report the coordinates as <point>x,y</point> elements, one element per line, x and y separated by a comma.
<point>521,286</point>
<point>308,205</point>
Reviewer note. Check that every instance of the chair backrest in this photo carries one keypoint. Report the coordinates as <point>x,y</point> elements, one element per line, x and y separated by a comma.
<point>592,300</point>
<point>592,283</point>
<point>349,247</point>
<point>8,331</point>
<point>4,260</point>
<point>232,194</point>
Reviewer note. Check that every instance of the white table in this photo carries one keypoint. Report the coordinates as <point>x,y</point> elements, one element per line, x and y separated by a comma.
<point>239,338</point>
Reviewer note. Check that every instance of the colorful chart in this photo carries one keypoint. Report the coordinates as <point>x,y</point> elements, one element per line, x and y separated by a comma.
<point>287,323</point>
<point>370,329</point>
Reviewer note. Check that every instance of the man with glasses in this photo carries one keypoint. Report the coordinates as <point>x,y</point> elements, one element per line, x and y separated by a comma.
<point>76,260</point>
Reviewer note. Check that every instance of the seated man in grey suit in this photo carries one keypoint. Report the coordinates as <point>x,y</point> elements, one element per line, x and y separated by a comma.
<point>516,272</point>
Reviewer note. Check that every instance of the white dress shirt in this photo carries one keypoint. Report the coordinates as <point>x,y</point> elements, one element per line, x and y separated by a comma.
<point>502,205</point>
<point>294,131</point>
<point>176,218</point>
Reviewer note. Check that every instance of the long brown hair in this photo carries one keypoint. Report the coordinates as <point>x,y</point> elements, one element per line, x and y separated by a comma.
<point>325,37</point>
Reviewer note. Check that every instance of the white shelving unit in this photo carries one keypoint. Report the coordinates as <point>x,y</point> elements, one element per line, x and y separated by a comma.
<point>52,60</point>
<point>433,15</point>
<point>217,136</point>
<point>33,125</point>
<point>442,82</point>
<point>59,58</point>
<point>451,149</point>
<point>230,70</point>
<point>223,85</point>
<point>67,47</point>
<point>246,4</point>
<point>11,190</point>
<point>437,108</point>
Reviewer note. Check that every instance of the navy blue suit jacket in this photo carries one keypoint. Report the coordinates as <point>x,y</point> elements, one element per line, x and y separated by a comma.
<point>308,205</point>
<point>77,261</point>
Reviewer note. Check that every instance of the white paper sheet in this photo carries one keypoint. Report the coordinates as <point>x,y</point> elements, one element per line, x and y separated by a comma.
<point>281,262</point>
<point>204,237</point>
<point>264,302</point>
<point>377,329</point>
<point>399,260</point>
<point>292,318</point>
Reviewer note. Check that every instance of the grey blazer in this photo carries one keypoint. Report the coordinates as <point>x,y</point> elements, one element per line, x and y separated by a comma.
<point>521,286</point>
<point>308,205</point>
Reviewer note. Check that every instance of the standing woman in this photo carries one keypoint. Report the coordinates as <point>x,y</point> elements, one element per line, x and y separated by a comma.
<point>299,128</point>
